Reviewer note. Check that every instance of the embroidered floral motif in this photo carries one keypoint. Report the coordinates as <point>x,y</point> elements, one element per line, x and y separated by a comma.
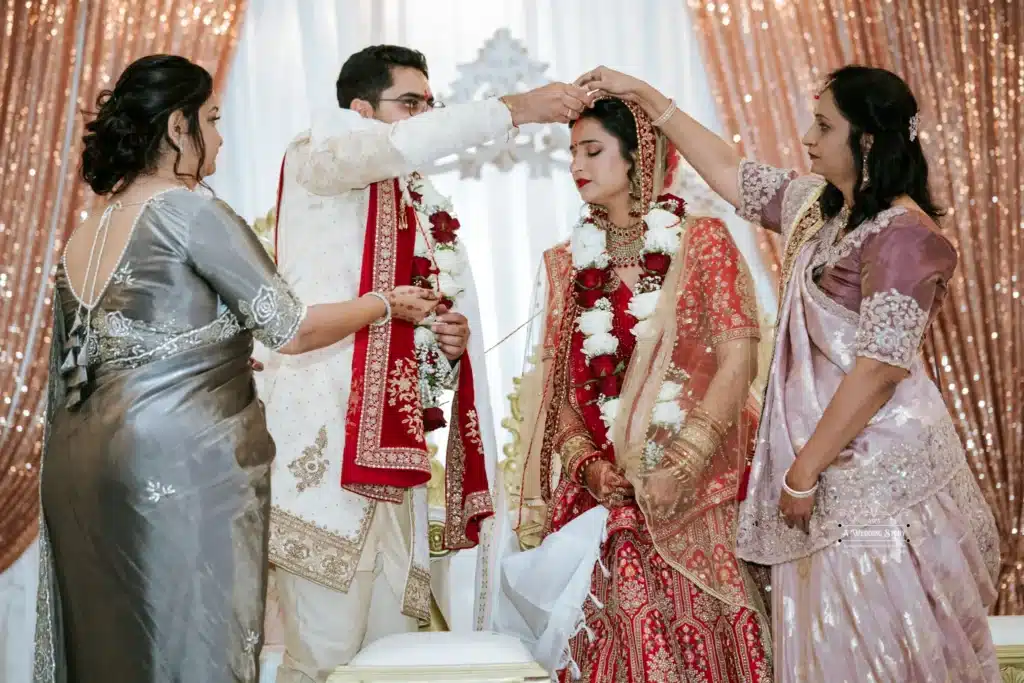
<point>855,239</point>
<point>273,314</point>
<point>759,184</point>
<point>118,325</point>
<point>122,342</point>
<point>891,327</point>
<point>649,622</point>
<point>123,276</point>
<point>403,391</point>
<point>250,640</point>
<point>155,491</point>
<point>309,470</point>
<point>894,478</point>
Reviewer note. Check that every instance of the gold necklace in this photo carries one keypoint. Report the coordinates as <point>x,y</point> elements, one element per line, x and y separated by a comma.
<point>623,244</point>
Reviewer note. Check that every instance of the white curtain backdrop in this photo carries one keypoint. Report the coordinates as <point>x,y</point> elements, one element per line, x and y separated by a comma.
<point>288,61</point>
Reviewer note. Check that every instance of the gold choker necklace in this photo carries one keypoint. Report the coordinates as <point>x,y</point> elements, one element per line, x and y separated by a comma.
<point>623,244</point>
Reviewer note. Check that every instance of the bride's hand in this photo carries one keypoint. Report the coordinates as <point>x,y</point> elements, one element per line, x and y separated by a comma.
<point>611,82</point>
<point>411,303</point>
<point>607,484</point>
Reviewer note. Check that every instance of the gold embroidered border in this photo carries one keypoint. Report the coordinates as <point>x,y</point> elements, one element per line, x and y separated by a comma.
<point>736,333</point>
<point>416,600</point>
<point>457,514</point>
<point>312,552</point>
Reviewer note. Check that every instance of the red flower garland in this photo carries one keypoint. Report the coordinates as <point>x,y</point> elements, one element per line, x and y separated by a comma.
<point>590,283</point>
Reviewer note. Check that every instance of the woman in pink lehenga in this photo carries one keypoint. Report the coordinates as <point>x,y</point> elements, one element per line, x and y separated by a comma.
<point>883,551</point>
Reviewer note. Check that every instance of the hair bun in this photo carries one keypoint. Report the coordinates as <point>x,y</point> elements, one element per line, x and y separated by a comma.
<point>126,137</point>
<point>114,147</point>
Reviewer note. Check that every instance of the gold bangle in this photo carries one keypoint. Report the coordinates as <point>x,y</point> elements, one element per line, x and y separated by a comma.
<point>665,115</point>
<point>699,414</point>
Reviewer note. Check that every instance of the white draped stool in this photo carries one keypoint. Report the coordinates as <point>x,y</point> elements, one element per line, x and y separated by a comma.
<point>442,657</point>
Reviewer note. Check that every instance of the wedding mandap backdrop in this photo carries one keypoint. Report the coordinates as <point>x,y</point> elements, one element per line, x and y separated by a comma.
<point>746,68</point>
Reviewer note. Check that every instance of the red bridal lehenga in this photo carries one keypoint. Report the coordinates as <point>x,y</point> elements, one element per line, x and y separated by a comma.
<point>670,601</point>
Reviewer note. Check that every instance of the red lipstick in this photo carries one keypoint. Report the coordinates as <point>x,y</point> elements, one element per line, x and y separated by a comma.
<point>580,182</point>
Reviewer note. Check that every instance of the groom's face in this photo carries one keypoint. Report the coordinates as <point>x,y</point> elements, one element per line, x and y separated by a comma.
<point>408,95</point>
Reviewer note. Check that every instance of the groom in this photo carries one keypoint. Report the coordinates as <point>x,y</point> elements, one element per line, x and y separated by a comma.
<point>349,519</point>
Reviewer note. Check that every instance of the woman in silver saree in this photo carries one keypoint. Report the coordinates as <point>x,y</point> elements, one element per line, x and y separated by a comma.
<point>884,553</point>
<point>155,482</point>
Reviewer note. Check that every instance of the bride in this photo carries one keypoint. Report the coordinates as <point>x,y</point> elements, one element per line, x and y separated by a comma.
<point>648,351</point>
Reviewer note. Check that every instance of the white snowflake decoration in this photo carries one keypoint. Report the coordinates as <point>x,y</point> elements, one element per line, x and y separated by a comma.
<point>504,66</point>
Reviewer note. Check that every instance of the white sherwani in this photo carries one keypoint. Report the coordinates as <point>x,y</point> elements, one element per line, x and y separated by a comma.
<point>336,551</point>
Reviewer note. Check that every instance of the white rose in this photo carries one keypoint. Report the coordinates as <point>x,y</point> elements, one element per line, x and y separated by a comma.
<point>663,240</point>
<point>609,412</point>
<point>642,306</point>
<point>668,414</point>
<point>670,391</point>
<point>448,285</point>
<point>595,321</point>
<point>588,247</point>
<point>600,345</point>
<point>447,260</point>
<point>657,219</point>
<point>424,336</point>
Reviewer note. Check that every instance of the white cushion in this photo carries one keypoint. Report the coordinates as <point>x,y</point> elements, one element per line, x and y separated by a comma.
<point>442,657</point>
<point>443,649</point>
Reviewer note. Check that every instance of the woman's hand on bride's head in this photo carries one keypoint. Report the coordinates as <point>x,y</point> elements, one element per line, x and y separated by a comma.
<point>611,82</point>
<point>411,303</point>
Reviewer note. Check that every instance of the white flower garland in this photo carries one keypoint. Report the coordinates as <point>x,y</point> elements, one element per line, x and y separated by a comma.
<point>450,261</point>
<point>589,251</point>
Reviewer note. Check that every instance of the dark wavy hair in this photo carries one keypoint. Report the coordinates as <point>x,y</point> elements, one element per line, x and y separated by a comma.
<point>367,74</point>
<point>125,139</point>
<point>879,103</point>
<point>616,118</point>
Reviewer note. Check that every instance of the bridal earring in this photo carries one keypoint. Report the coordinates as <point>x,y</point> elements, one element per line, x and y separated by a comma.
<point>866,141</point>
<point>634,193</point>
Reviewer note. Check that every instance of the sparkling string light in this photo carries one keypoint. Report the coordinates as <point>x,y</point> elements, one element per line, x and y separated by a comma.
<point>965,62</point>
<point>40,193</point>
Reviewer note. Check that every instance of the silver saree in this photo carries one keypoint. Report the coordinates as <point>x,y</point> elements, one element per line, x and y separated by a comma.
<point>155,483</point>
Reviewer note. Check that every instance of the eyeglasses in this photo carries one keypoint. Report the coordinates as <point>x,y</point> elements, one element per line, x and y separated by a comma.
<point>416,105</point>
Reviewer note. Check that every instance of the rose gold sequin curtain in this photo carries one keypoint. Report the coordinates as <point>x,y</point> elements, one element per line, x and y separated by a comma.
<point>965,61</point>
<point>55,58</point>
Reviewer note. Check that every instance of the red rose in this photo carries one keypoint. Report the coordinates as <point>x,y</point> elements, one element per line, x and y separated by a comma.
<point>422,267</point>
<point>673,204</point>
<point>443,227</point>
<point>610,386</point>
<point>657,263</point>
<point>433,419</point>
<point>447,302</point>
<point>603,365</point>
<point>416,196</point>
<point>588,297</point>
<point>591,278</point>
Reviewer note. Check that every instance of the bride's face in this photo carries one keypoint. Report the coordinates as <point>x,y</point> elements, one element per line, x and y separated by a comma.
<point>599,167</point>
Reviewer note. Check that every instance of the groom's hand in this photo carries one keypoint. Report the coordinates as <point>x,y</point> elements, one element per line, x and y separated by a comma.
<point>552,103</point>
<point>452,330</point>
